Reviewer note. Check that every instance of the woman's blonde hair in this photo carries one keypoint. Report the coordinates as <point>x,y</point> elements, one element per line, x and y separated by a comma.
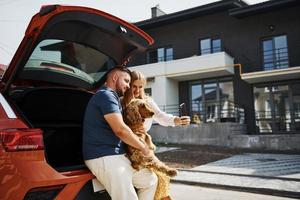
<point>135,75</point>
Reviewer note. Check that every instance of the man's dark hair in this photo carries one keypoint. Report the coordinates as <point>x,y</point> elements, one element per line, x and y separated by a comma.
<point>118,68</point>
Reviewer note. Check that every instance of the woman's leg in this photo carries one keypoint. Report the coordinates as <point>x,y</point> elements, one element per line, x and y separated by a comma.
<point>146,182</point>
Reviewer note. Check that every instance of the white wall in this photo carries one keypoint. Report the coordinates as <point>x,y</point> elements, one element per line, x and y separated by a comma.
<point>167,74</point>
<point>172,92</point>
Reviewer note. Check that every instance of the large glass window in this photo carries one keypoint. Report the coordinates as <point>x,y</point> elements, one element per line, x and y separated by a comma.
<point>282,109</point>
<point>212,100</point>
<point>263,109</point>
<point>160,55</point>
<point>296,106</point>
<point>275,53</point>
<point>197,102</point>
<point>216,45</point>
<point>205,47</point>
<point>208,46</point>
<point>226,99</point>
<point>148,91</point>
<point>277,108</point>
<point>169,54</point>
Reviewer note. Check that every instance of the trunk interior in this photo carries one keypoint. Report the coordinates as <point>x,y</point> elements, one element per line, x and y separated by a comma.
<point>59,113</point>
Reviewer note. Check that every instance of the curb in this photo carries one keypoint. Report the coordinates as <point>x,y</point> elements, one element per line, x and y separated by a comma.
<point>257,190</point>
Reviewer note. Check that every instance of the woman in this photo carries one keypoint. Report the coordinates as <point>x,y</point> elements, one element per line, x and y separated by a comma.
<point>137,86</point>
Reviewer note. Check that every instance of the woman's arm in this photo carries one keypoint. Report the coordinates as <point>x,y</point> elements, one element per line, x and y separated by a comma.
<point>160,116</point>
<point>166,119</point>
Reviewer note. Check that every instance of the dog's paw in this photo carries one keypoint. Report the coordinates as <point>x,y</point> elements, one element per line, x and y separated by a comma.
<point>172,172</point>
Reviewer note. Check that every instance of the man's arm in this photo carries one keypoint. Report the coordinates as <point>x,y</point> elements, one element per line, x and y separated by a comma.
<point>122,131</point>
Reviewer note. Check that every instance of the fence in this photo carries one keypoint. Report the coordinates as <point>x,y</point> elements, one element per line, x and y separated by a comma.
<point>214,112</point>
<point>278,121</point>
<point>276,59</point>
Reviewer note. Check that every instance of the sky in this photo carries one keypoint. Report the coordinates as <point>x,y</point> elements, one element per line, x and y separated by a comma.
<point>16,14</point>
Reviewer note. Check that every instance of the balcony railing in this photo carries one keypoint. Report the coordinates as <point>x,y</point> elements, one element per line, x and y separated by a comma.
<point>210,50</point>
<point>276,59</point>
<point>278,121</point>
<point>159,59</point>
<point>213,112</point>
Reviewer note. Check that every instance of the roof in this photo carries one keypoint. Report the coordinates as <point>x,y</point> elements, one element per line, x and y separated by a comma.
<point>191,13</point>
<point>236,8</point>
<point>263,7</point>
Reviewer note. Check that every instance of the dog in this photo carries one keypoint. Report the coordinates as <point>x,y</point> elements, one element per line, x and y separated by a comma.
<point>135,114</point>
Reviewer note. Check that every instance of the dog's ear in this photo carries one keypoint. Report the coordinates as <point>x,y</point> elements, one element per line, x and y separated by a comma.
<point>132,115</point>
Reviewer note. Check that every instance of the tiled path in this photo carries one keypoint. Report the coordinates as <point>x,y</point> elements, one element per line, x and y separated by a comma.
<point>269,173</point>
<point>275,165</point>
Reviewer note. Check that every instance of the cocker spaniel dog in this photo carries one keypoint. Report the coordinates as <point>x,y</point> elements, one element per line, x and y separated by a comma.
<point>135,114</point>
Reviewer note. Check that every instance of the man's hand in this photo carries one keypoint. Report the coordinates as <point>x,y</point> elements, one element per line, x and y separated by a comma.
<point>146,151</point>
<point>122,131</point>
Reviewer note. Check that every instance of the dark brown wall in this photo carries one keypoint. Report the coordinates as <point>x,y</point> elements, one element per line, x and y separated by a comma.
<point>240,38</point>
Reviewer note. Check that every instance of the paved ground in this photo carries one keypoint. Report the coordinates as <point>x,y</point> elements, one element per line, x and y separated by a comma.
<point>188,192</point>
<point>189,156</point>
<point>274,165</point>
<point>261,172</point>
<point>214,173</point>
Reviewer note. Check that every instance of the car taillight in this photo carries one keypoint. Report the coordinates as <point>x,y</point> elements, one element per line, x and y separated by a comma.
<point>22,139</point>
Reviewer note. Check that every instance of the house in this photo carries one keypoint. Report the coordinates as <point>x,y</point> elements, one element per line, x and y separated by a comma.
<point>229,62</point>
<point>2,69</point>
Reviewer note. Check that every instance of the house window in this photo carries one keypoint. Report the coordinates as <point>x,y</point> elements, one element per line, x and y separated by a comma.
<point>148,91</point>
<point>275,53</point>
<point>169,54</point>
<point>209,46</point>
<point>160,55</point>
<point>277,107</point>
<point>212,100</point>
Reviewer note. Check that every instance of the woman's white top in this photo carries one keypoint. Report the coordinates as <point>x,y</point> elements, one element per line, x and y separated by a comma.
<point>159,116</point>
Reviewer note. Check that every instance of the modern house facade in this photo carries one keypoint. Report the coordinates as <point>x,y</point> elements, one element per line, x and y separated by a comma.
<point>2,69</point>
<point>228,62</point>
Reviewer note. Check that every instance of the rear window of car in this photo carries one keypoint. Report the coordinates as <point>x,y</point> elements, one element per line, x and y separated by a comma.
<point>69,59</point>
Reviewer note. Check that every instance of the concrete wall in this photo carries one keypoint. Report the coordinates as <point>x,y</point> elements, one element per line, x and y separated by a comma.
<point>204,134</point>
<point>268,142</point>
<point>227,134</point>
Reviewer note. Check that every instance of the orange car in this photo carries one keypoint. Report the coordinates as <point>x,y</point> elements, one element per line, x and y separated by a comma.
<point>44,91</point>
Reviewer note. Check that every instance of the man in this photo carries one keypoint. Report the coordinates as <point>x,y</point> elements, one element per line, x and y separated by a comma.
<point>104,135</point>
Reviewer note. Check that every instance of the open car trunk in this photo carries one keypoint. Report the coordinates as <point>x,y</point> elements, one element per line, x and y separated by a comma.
<point>66,52</point>
<point>59,112</point>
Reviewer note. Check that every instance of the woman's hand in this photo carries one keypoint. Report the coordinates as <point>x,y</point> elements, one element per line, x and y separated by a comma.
<point>183,120</point>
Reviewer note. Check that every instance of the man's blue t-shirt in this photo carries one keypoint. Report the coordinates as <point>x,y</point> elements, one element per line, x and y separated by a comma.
<point>98,138</point>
